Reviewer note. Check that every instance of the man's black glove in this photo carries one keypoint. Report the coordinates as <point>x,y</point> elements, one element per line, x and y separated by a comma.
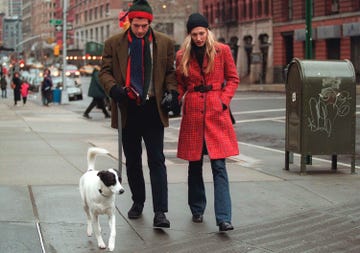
<point>117,93</point>
<point>170,102</point>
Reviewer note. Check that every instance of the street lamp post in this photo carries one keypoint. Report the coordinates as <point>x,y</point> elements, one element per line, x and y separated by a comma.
<point>64,53</point>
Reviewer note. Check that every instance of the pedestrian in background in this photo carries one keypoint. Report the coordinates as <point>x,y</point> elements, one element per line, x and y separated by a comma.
<point>137,69</point>
<point>202,65</point>
<point>25,86</point>
<point>96,91</point>
<point>46,88</point>
<point>16,86</point>
<point>3,84</point>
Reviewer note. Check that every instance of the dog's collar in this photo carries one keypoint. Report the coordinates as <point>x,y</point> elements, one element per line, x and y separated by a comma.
<point>102,194</point>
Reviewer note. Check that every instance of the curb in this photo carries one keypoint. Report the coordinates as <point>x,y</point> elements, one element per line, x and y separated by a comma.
<point>272,87</point>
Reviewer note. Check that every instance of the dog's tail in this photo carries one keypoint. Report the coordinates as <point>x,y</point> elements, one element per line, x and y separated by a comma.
<point>91,155</point>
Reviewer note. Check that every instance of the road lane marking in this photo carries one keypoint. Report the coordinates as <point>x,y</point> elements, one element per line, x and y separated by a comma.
<point>296,154</point>
<point>259,111</point>
<point>261,119</point>
<point>257,98</point>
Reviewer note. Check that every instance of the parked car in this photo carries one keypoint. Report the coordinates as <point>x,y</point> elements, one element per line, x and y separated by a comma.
<point>87,70</point>
<point>54,71</point>
<point>72,87</point>
<point>72,70</point>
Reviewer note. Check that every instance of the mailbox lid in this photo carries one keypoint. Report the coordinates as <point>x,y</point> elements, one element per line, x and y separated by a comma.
<point>327,71</point>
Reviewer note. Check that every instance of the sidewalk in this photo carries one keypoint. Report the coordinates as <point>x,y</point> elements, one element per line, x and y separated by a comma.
<point>43,154</point>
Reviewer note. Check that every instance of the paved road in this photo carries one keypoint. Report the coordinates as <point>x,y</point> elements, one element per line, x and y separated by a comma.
<point>42,155</point>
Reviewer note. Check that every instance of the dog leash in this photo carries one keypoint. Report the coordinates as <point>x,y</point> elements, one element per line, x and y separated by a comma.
<point>119,141</point>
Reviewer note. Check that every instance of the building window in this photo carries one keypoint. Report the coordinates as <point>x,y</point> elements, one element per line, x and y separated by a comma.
<point>223,12</point>
<point>250,10</point>
<point>229,11</point>
<point>107,10</point>
<point>108,31</point>
<point>332,6</point>
<point>245,11</point>
<point>356,5</point>
<point>102,33</point>
<point>101,11</point>
<point>290,9</point>
<point>236,11</point>
<point>267,11</point>
<point>259,8</point>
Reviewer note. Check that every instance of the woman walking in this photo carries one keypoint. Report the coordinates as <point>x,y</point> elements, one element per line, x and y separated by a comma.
<point>203,66</point>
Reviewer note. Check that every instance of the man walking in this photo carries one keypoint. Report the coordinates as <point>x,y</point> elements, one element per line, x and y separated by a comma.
<point>137,70</point>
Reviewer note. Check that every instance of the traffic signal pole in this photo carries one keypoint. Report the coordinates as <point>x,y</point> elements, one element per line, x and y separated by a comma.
<point>64,51</point>
<point>308,30</point>
<point>308,46</point>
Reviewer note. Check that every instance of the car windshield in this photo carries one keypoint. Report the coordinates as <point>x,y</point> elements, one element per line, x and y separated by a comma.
<point>57,81</point>
<point>71,67</point>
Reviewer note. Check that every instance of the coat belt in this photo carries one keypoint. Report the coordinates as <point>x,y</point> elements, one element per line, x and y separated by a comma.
<point>204,88</point>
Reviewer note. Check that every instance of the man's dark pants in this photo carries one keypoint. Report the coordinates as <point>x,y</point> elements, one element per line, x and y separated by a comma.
<point>143,123</point>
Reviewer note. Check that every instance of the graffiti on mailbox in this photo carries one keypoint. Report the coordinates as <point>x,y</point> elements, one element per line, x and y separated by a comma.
<point>330,105</point>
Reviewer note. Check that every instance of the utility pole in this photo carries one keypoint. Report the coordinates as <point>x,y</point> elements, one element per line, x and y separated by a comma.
<point>308,45</point>
<point>308,29</point>
<point>64,52</point>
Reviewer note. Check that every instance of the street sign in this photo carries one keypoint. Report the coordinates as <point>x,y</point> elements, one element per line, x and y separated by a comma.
<point>59,28</point>
<point>56,22</point>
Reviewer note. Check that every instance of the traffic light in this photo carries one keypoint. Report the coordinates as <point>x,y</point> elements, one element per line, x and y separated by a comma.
<point>56,50</point>
<point>21,64</point>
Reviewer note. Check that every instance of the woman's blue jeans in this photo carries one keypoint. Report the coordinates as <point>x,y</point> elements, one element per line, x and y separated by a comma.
<point>196,190</point>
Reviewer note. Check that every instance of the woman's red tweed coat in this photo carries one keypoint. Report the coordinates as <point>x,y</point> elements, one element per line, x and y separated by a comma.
<point>203,115</point>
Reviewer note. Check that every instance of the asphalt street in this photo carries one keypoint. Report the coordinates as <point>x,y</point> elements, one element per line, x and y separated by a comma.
<point>43,154</point>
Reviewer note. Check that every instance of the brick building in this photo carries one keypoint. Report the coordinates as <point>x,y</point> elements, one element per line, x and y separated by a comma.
<point>265,35</point>
<point>246,25</point>
<point>335,30</point>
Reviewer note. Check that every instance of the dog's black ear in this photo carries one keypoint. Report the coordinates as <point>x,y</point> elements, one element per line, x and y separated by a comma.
<point>118,174</point>
<point>107,178</point>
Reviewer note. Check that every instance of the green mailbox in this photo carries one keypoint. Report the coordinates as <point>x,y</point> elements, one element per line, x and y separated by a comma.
<point>320,110</point>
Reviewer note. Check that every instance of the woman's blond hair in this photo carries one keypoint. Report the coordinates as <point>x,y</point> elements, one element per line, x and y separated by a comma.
<point>210,53</point>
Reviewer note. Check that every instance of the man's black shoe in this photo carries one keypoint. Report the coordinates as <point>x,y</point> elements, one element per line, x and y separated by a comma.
<point>197,218</point>
<point>85,115</point>
<point>160,220</point>
<point>225,226</point>
<point>135,211</point>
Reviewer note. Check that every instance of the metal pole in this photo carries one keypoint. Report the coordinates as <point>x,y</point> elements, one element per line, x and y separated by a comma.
<point>308,30</point>
<point>64,52</point>
<point>308,55</point>
<point>119,141</point>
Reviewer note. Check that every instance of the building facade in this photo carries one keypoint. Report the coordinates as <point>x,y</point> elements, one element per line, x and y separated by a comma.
<point>265,35</point>
<point>335,32</point>
<point>12,32</point>
<point>14,8</point>
<point>170,17</point>
<point>246,25</point>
